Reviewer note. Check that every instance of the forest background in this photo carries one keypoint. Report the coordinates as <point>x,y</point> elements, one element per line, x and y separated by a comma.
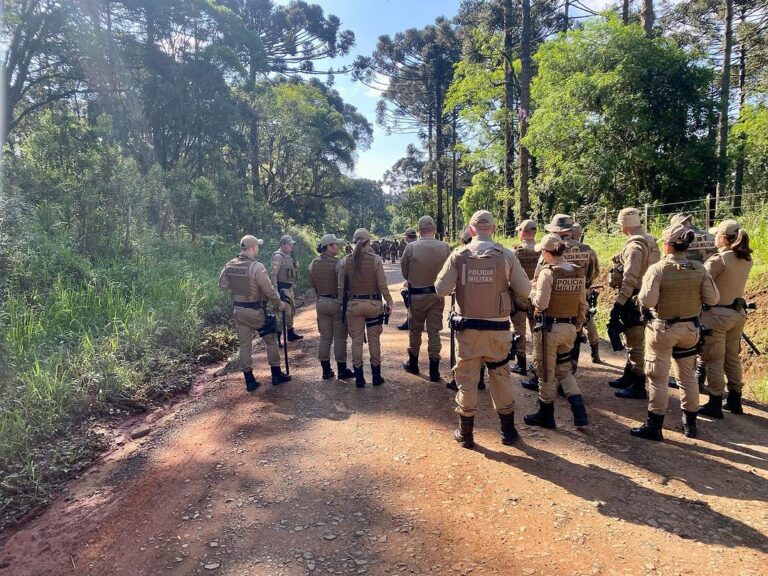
<point>142,138</point>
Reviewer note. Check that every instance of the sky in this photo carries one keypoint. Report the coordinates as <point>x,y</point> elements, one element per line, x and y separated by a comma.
<point>369,19</point>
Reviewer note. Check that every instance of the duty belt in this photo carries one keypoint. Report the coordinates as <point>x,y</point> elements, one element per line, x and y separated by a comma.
<point>366,297</point>
<point>554,320</point>
<point>460,323</point>
<point>669,321</point>
<point>738,304</point>
<point>284,285</point>
<point>254,305</point>
<point>329,295</point>
<point>426,290</point>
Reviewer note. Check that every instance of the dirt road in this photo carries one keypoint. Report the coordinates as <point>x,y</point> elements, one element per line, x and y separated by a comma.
<point>317,477</point>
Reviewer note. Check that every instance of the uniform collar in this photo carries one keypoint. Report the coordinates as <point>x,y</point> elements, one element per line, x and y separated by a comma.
<point>677,256</point>
<point>246,257</point>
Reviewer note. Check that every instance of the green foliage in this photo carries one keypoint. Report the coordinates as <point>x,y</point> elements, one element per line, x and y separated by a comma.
<point>619,118</point>
<point>485,193</point>
<point>752,129</point>
<point>414,203</point>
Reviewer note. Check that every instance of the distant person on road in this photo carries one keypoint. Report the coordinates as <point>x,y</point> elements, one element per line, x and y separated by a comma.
<point>529,257</point>
<point>251,289</point>
<point>285,273</point>
<point>410,236</point>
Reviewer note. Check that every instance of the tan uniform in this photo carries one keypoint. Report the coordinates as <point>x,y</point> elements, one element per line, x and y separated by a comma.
<point>640,251</point>
<point>364,296</point>
<point>721,349</point>
<point>522,313</point>
<point>675,288</point>
<point>284,274</point>
<point>486,277</point>
<point>323,276</point>
<point>420,264</point>
<point>703,246</point>
<point>583,256</point>
<point>251,289</point>
<point>560,305</point>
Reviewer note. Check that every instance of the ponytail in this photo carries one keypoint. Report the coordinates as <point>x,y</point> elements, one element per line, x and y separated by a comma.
<point>357,256</point>
<point>739,243</point>
<point>559,251</point>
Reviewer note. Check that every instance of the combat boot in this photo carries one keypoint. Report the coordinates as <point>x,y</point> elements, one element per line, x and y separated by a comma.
<point>344,372</point>
<point>733,402</point>
<point>520,368</point>
<point>545,417</point>
<point>713,408</point>
<point>411,365</point>
<point>464,435</point>
<point>403,326</point>
<point>624,380</point>
<point>327,372</point>
<point>701,376</point>
<point>452,385</point>
<point>434,369</point>
<point>278,377</point>
<point>359,377</point>
<point>509,433</point>
<point>636,390</point>
<point>689,423</point>
<point>673,382</point>
<point>595,349</point>
<point>579,410</point>
<point>376,373</point>
<point>532,384</point>
<point>651,430</point>
<point>292,336</point>
<point>250,381</point>
<point>481,382</point>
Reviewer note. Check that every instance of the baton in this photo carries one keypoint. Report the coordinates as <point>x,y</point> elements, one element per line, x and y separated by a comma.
<point>285,346</point>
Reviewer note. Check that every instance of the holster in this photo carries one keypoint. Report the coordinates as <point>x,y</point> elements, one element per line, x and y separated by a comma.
<point>616,276</point>
<point>512,354</point>
<point>406,297</point>
<point>270,325</point>
<point>378,321</point>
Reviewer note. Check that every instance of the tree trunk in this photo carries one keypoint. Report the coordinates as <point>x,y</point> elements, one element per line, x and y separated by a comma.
<point>430,157</point>
<point>253,137</point>
<point>525,102</point>
<point>738,183</point>
<point>509,135</point>
<point>725,94</point>
<point>566,8</point>
<point>648,17</point>
<point>454,232</point>
<point>439,167</point>
<point>625,12</point>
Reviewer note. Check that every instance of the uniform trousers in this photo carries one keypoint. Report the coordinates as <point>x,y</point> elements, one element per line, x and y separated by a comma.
<point>248,321</point>
<point>358,311</point>
<point>559,343</point>
<point>721,349</point>
<point>332,330</point>
<point>290,312</point>
<point>425,309</point>
<point>660,339</point>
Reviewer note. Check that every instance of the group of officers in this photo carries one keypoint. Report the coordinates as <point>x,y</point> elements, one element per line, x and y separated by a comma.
<point>391,250</point>
<point>672,306</point>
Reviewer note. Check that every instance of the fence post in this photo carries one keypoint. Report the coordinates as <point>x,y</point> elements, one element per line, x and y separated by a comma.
<point>647,225</point>
<point>707,222</point>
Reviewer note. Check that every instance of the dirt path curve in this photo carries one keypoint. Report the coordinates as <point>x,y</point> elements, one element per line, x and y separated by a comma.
<point>319,477</point>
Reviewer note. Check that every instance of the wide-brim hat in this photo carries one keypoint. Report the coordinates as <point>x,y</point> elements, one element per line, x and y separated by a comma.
<point>560,223</point>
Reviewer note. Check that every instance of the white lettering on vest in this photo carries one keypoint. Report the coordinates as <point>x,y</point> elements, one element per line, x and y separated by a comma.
<point>569,284</point>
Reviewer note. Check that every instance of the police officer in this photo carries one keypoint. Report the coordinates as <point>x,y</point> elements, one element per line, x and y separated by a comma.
<point>560,309</point>
<point>674,290</point>
<point>362,283</point>
<point>251,289</point>
<point>486,277</point>
<point>285,273</point>
<point>729,269</point>
<point>640,251</point>
<point>420,264</point>
<point>703,245</point>
<point>393,251</point>
<point>591,267</point>
<point>410,236</point>
<point>528,257</point>
<point>323,277</point>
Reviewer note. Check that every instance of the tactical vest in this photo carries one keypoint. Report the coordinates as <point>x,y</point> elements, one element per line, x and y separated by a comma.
<point>680,290</point>
<point>567,289</point>
<point>528,260</point>
<point>482,290</point>
<point>427,259</point>
<point>575,255</point>
<point>365,282</point>
<point>242,283</point>
<point>702,247</point>
<point>287,272</point>
<point>324,274</point>
<point>732,281</point>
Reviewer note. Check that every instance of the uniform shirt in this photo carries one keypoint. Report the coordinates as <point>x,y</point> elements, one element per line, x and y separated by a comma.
<point>592,268</point>
<point>635,259</point>
<point>282,258</point>
<point>649,294</point>
<point>422,261</point>
<point>730,274</point>
<point>542,290</point>
<point>257,276</point>
<point>381,277</point>
<point>312,279</point>
<point>518,281</point>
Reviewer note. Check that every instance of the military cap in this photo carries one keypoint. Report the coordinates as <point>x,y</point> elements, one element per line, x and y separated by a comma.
<point>727,228</point>
<point>676,233</point>
<point>576,231</point>
<point>411,231</point>
<point>681,218</point>
<point>361,234</point>
<point>249,241</point>
<point>560,223</point>
<point>526,226</point>
<point>629,217</point>
<point>329,239</point>
<point>286,239</point>
<point>550,243</point>
<point>481,217</point>
<point>426,222</point>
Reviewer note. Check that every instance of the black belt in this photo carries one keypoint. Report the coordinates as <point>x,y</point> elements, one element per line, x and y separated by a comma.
<point>426,290</point>
<point>554,320</point>
<point>694,319</point>
<point>250,304</point>
<point>738,304</point>
<point>329,295</point>
<point>284,285</point>
<point>366,297</point>
<point>460,323</point>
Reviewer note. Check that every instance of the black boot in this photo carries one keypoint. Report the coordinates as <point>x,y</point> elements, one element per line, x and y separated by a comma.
<point>481,382</point>
<point>733,402</point>
<point>689,423</point>
<point>651,430</point>
<point>560,391</point>
<point>624,380</point>
<point>532,384</point>
<point>376,373</point>
<point>579,410</point>
<point>673,382</point>
<point>434,369</point>
<point>519,368</point>
<point>464,435</point>
<point>636,390</point>
<point>411,365</point>
<point>701,376</point>
<point>278,377</point>
<point>403,326</point>
<point>344,372</point>
<point>452,384</point>
<point>250,381</point>
<point>359,377</point>
<point>292,336</point>
<point>280,340</point>
<point>327,372</point>
<point>508,431</point>
<point>713,408</point>
<point>595,348</point>
<point>545,417</point>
